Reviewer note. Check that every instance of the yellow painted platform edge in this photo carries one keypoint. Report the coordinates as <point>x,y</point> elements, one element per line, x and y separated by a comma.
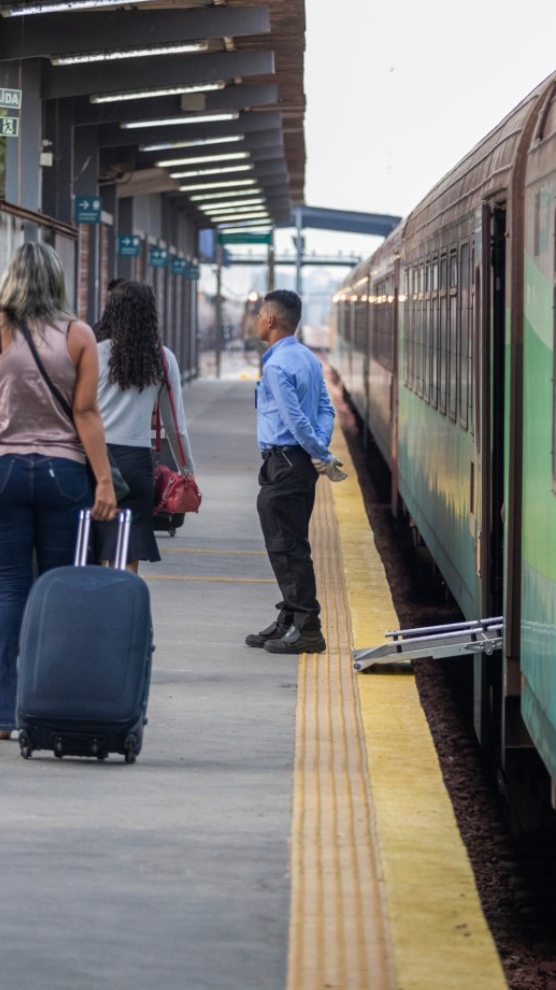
<point>438,932</point>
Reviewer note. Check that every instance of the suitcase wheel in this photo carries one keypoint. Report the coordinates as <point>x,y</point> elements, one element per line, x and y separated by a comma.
<point>171,532</point>
<point>25,747</point>
<point>130,748</point>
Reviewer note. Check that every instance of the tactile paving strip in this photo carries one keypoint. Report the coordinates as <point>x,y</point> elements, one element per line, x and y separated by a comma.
<point>338,936</point>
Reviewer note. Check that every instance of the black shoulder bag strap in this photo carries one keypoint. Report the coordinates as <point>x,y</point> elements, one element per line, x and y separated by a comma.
<point>121,486</point>
<point>55,391</point>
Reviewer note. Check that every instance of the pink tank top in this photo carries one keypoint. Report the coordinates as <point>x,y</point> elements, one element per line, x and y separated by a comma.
<point>31,420</point>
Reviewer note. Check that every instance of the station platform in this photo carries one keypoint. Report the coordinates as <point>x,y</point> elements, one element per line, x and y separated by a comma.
<point>285,826</point>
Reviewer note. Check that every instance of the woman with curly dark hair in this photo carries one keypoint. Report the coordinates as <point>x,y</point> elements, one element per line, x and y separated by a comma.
<point>131,380</point>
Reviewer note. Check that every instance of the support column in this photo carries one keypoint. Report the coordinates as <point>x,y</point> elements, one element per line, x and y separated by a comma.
<point>57,198</point>
<point>23,173</point>
<point>86,184</point>
<point>298,250</point>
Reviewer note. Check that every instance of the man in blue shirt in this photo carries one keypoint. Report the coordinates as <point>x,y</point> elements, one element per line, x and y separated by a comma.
<point>295,419</point>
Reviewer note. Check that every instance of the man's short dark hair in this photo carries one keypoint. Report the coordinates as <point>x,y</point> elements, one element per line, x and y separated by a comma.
<point>290,306</point>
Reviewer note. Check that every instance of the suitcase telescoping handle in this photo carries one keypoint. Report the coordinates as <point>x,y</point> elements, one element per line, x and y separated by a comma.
<point>122,544</point>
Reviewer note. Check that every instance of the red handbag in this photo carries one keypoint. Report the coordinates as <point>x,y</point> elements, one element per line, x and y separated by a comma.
<point>173,492</point>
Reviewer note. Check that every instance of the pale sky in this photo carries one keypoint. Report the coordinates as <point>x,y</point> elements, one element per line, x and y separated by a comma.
<point>397,93</point>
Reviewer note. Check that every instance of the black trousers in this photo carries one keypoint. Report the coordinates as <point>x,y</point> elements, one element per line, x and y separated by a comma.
<point>285,503</point>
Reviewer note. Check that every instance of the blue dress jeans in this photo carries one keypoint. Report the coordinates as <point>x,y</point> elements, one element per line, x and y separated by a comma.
<point>40,499</point>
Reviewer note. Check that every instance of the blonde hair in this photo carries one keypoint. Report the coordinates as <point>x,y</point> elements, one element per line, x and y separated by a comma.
<point>33,287</point>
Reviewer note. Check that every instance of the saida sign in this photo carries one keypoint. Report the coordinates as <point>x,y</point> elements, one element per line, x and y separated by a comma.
<point>10,98</point>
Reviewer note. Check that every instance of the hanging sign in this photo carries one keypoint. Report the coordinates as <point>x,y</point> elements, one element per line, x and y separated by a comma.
<point>88,209</point>
<point>158,257</point>
<point>178,266</point>
<point>129,246</point>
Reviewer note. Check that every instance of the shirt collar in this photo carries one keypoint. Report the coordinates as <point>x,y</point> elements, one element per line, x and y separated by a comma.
<point>290,339</point>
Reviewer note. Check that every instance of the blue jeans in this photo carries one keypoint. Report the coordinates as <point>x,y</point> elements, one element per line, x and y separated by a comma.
<point>40,499</point>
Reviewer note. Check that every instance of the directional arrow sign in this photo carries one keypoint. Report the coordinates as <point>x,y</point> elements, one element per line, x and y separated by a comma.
<point>178,266</point>
<point>158,257</point>
<point>129,246</point>
<point>88,209</point>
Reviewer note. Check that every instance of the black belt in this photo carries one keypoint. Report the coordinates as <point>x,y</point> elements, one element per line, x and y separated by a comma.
<point>279,450</point>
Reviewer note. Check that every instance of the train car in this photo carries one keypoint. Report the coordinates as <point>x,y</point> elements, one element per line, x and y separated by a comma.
<point>451,368</point>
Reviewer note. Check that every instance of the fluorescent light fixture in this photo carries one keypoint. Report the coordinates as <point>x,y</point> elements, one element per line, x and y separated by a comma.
<point>200,118</point>
<point>223,208</point>
<point>110,56</point>
<point>53,8</point>
<point>172,162</point>
<point>237,204</point>
<point>191,143</point>
<point>200,172</point>
<point>217,185</point>
<point>224,195</point>
<point>143,94</point>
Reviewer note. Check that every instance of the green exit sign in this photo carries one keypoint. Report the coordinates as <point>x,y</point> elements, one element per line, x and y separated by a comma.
<point>9,126</point>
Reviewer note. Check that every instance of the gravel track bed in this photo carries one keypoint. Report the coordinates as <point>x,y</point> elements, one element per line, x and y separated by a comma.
<point>515,875</point>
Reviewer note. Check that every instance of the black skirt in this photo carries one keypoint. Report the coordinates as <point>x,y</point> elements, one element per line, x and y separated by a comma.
<point>136,465</point>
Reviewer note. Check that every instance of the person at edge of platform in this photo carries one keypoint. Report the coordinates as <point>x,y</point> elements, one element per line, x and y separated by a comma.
<point>295,419</point>
<point>131,379</point>
<point>44,480</point>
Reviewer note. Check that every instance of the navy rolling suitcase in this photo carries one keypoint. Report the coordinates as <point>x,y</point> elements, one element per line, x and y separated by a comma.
<point>85,657</point>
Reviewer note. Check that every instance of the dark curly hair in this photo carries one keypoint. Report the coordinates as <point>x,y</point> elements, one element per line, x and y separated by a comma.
<point>130,321</point>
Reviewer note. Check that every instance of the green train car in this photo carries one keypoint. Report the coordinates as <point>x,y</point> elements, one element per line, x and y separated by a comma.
<point>444,341</point>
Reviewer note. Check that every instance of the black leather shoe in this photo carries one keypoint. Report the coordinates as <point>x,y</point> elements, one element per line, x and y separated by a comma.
<point>297,641</point>
<point>275,631</point>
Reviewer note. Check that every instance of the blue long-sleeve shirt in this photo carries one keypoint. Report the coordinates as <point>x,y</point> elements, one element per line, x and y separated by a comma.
<point>293,406</point>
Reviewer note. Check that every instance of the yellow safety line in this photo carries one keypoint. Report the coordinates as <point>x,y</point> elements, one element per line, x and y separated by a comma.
<point>337,935</point>
<point>440,939</point>
<point>181,577</point>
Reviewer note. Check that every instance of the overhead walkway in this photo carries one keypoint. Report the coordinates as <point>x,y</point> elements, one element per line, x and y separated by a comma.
<point>285,826</point>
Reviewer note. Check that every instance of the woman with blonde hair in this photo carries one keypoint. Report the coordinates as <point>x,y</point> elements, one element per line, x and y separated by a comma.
<point>44,480</point>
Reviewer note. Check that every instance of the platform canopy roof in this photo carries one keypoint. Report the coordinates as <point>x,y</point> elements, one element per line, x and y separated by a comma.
<point>184,93</point>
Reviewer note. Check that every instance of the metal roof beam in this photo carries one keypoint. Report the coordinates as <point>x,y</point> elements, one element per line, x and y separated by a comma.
<point>357,223</point>
<point>84,32</point>
<point>165,70</point>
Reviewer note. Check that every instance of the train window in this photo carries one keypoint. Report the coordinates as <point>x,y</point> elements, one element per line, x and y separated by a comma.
<point>433,353</point>
<point>427,333</point>
<point>406,324</point>
<point>453,336</point>
<point>419,358</point>
<point>464,334</point>
<point>541,219</point>
<point>442,336</point>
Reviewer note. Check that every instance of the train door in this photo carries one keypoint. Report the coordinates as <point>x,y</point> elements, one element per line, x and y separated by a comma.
<point>488,346</point>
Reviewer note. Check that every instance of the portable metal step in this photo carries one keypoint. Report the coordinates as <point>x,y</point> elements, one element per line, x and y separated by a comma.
<point>455,639</point>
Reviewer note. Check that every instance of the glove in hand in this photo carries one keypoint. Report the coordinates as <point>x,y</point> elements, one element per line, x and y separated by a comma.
<point>330,468</point>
